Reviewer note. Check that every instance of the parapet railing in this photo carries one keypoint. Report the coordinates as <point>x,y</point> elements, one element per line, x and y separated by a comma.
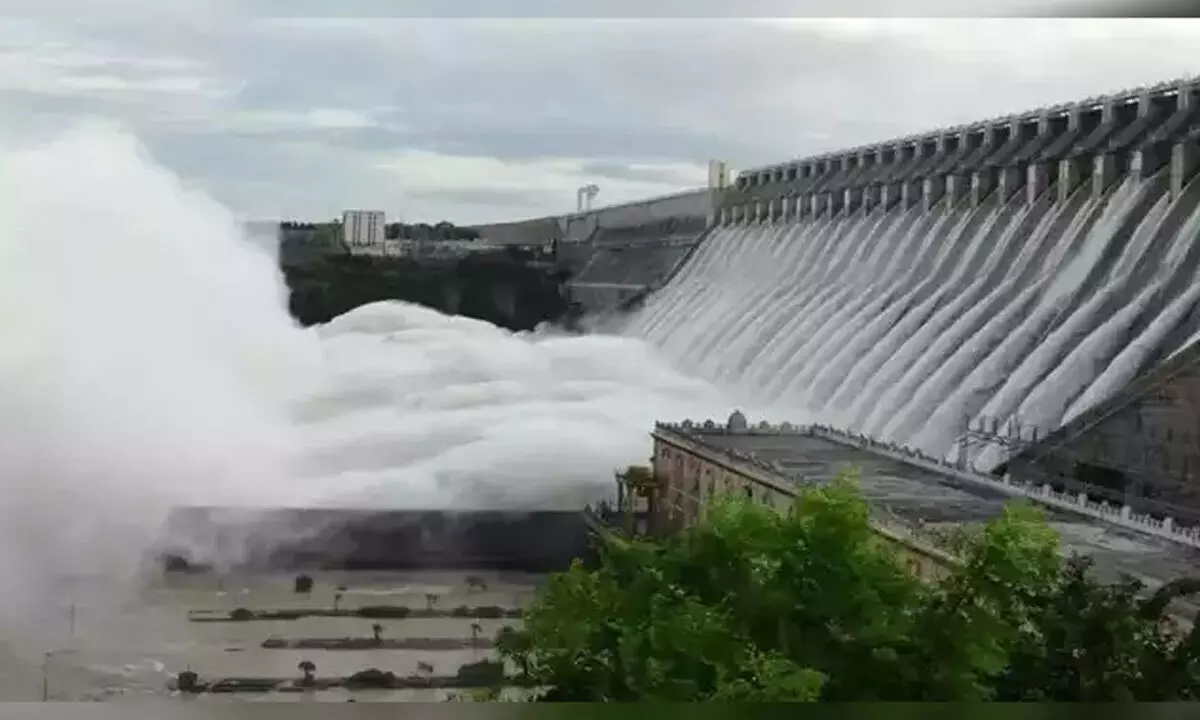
<point>1122,95</point>
<point>1123,516</point>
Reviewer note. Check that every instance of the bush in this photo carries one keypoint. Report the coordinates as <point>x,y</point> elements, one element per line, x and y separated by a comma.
<point>372,678</point>
<point>485,673</point>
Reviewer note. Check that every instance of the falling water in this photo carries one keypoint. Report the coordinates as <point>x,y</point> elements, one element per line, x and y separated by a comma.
<point>908,323</point>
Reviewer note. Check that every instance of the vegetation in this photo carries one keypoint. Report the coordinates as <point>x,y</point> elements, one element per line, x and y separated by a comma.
<point>425,232</point>
<point>498,287</point>
<point>811,605</point>
<point>329,231</point>
<point>308,671</point>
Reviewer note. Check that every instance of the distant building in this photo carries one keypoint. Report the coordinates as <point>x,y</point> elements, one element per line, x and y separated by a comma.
<point>363,228</point>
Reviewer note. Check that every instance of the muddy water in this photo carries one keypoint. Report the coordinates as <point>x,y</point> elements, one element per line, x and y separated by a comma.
<point>109,650</point>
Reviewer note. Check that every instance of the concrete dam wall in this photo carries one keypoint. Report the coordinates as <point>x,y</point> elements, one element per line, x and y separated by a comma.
<point>620,252</point>
<point>627,262</point>
<point>1021,269</point>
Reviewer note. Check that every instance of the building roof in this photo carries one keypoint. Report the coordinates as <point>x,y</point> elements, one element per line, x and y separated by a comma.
<point>926,498</point>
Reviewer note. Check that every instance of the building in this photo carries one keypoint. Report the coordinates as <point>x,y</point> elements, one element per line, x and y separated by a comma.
<point>1140,448</point>
<point>766,465</point>
<point>363,228</point>
<point>916,502</point>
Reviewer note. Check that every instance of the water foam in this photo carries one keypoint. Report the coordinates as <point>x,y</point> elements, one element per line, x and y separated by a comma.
<point>422,410</point>
<point>144,361</point>
<point>147,361</point>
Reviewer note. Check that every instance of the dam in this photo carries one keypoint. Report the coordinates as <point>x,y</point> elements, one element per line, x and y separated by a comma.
<point>1020,270</point>
<point>1011,274</point>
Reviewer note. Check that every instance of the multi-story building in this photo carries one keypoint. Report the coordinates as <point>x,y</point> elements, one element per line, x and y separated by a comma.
<point>363,228</point>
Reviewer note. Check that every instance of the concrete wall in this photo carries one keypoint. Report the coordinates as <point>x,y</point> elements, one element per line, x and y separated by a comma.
<point>690,204</point>
<point>1141,448</point>
<point>1053,149</point>
<point>578,227</point>
<point>619,264</point>
<point>535,231</point>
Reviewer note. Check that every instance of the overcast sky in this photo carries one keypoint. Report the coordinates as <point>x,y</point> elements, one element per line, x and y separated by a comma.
<point>479,120</point>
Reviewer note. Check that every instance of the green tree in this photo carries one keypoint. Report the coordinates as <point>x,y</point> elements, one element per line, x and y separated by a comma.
<point>755,605</point>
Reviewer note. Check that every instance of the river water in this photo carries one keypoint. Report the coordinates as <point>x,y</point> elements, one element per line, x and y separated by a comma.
<point>133,647</point>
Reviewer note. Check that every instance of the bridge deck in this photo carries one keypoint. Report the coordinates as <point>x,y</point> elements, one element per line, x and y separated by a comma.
<point>916,494</point>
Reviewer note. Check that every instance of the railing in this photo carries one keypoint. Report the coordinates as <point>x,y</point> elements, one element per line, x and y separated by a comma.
<point>1119,96</point>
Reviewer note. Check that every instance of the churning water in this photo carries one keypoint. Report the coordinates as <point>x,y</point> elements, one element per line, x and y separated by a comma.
<point>147,361</point>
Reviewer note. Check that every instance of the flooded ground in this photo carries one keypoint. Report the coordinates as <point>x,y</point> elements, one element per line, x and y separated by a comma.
<point>106,650</point>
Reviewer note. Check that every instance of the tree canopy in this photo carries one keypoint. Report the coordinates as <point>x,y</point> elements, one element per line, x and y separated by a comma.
<point>752,604</point>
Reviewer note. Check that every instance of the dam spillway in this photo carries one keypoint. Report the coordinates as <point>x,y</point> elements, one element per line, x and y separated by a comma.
<point>1015,271</point>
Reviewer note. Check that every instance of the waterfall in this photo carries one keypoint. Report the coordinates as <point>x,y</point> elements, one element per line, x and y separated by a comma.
<point>907,323</point>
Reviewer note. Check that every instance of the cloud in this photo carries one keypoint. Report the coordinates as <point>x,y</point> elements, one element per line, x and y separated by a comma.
<point>495,119</point>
